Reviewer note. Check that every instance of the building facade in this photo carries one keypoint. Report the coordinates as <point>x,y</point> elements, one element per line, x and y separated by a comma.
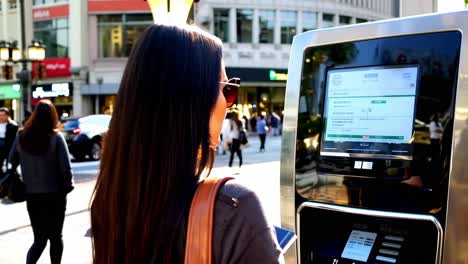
<point>88,42</point>
<point>257,38</point>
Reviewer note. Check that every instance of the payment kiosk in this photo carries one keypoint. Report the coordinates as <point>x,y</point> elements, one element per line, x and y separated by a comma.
<point>375,142</point>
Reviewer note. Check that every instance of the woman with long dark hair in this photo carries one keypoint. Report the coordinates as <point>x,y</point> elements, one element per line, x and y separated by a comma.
<point>45,167</point>
<point>167,121</point>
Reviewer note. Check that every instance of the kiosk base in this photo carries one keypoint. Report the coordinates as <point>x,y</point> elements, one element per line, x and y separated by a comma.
<point>334,234</point>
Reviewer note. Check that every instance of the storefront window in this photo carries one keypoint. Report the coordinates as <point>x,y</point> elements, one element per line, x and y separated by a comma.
<point>328,20</point>
<point>244,25</point>
<point>221,24</point>
<point>132,32</point>
<point>110,37</point>
<point>118,33</point>
<point>54,34</point>
<point>267,26</point>
<point>288,26</point>
<point>309,21</point>
<point>139,18</point>
<point>109,103</point>
<point>64,106</point>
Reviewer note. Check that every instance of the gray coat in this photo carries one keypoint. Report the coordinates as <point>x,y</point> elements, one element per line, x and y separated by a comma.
<point>49,173</point>
<point>241,232</point>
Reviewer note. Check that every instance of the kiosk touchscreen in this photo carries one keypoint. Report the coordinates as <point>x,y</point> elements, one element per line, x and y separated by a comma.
<point>369,112</point>
<point>368,119</point>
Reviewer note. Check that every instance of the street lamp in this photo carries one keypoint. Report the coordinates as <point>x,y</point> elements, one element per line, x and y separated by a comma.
<point>15,54</point>
<point>9,52</point>
<point>36,51</point>
<point>4,51</point>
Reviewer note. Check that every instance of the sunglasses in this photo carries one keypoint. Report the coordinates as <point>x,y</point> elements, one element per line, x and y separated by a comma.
<point>230,91</point>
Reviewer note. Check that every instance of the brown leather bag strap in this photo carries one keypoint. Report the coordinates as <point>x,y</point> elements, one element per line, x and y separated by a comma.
<point>200,223</point>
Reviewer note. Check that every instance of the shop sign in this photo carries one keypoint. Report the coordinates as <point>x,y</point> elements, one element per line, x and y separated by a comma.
<point>10,91</point>
<point>45,13</point>
<point>263,75</point>
<point>55,67</point>
<point>278,76</point>
<point>51,90</point>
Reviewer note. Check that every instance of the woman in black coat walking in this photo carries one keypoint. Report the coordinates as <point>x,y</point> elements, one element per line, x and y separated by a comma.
<point>45,165</point>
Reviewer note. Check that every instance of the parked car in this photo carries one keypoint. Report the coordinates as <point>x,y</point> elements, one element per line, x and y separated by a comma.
<point>84,135</point>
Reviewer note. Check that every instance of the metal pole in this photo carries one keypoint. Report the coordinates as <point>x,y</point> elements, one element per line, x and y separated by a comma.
<point>23,31</point>
<point>24,75</point>
<point>97,105</point>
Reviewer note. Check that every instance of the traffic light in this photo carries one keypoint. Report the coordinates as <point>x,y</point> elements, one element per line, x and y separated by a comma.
<point>7,72</point>
<point>41,71</point>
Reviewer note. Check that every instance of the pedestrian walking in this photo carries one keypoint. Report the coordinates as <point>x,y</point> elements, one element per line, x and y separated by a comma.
<point>236,127</point>
<point>275,124</point>
<point>245,123</point>
<point>8,130</point>
<point>262,129</point>
<point>281,117</point>
<point>175,83</point>
<point>45,167</point>
<point>225,131</point>
<point>253,123</point>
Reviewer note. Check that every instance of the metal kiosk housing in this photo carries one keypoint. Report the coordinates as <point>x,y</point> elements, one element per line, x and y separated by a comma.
<point>406,210</point>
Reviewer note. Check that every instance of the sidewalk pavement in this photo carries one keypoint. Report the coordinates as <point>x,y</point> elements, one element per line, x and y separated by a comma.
<point>260,173</point>
<point>16,234</point>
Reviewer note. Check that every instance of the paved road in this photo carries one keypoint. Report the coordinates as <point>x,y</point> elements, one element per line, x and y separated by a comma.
<point>260,172</point>
<point>85,171</point>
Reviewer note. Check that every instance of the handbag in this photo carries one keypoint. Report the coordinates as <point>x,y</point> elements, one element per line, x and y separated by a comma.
<point>198,248</point>
<point>12,187</point>
<point>243,137</point>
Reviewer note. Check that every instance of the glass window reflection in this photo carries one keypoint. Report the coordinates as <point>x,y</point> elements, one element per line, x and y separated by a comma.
<point>117,34</point>
<point>54,34</point>
<point>345,20</point>
<point>328,20</point>
<point>267,26</point>
<point>288,26</point>
<point>309,21</point>
<point>244,25</point>
<point>221,23</point>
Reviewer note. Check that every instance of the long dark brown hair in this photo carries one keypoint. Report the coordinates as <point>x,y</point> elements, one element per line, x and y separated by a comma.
<point>34,138</point>
<point>157,147</point>
<point>235,119</point>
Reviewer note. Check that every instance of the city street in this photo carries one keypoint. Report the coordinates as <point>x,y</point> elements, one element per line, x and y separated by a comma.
<point>372,96</point>
<point>260,172</point>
